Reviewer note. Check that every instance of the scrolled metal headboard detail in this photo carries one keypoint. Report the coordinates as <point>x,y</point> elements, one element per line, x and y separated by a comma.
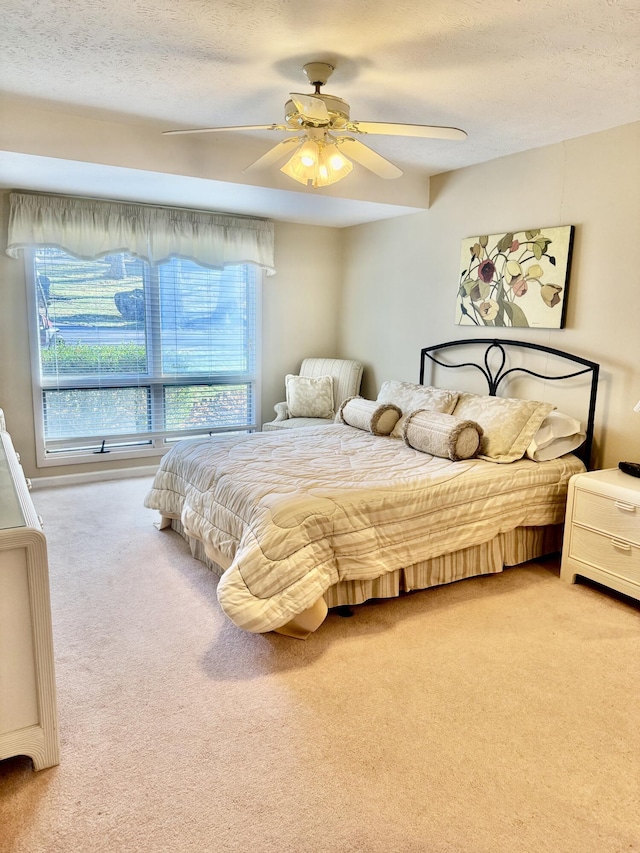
<point>495,374</point>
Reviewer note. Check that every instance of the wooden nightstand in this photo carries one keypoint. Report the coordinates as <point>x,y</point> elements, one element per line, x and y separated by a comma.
<point>602,530</point>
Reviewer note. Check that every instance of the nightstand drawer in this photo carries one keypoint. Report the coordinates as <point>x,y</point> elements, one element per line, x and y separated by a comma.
<point>618,518</point>
<point>605,552</point>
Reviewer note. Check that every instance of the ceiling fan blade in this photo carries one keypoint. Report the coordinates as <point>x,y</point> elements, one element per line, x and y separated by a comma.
<point>369,159</point>
<point>217,129</point>
<point>274,154</point>
<point>311,108</point>
<point>391,129</point>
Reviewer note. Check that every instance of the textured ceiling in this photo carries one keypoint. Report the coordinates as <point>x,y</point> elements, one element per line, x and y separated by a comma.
<point>515,74</point>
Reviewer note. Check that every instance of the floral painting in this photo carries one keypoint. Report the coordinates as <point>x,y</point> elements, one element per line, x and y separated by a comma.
<point>515,279</point>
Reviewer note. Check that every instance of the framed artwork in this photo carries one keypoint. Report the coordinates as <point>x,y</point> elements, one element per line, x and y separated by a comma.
<point>515,279</point>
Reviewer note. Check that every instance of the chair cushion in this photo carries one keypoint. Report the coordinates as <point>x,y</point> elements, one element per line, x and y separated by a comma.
<point>346,375</point>
<point>309,397</point>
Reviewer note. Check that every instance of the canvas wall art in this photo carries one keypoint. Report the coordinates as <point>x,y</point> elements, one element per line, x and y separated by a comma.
<point>515,279</point>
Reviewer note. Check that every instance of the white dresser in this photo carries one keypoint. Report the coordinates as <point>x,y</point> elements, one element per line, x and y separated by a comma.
<point>28,718</point>
<point>602,530</point>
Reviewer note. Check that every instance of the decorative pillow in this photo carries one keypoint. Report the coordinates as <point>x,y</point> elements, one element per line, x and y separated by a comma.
<point>508,424</point>
<point>558,434</point>
<point>442,435</point>
<point>309,397</point>
<point>408,396</point>
<point>377,418</point>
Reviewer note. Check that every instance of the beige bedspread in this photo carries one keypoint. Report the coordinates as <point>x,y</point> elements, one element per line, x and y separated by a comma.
<point>290,514</point>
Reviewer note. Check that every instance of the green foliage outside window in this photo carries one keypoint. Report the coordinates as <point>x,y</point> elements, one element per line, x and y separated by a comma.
<point>92,358</point>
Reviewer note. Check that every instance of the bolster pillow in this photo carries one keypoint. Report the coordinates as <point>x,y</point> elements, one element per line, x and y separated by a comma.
<point>442,435</point>
<point>377,418</point>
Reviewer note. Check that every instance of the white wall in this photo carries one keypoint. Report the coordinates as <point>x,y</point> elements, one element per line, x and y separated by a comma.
<point>400,276</point>
<point>300,305</point>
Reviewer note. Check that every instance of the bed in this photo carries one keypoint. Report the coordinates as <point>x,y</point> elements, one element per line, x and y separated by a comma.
<point>328,516</point>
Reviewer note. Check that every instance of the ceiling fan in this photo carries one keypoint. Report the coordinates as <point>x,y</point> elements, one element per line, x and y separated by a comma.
<point>324,134</point>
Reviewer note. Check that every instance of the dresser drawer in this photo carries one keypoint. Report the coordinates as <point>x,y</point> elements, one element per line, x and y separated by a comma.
<point>616,517</point>
<point>28,719</point>
<point>605,552</point>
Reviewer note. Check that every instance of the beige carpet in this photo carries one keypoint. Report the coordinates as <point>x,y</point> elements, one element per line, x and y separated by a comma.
<point>495,714</point>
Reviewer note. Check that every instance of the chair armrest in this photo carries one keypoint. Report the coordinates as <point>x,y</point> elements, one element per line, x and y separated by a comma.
<point>282,411</point>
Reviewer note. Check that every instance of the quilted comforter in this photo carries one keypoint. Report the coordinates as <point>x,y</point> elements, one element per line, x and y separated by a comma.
<point>288,514</point>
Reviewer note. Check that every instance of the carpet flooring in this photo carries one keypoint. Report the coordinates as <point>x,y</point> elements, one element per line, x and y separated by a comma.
<point>495,715</point>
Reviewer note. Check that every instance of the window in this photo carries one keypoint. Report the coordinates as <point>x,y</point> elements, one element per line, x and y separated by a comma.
<point>132,356</point>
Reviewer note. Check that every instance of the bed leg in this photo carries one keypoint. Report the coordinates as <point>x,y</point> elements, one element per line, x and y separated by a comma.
<point>165,521</point>
<point>343,610</point>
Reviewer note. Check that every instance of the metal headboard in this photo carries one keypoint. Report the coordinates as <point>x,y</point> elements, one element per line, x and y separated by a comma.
<point>495,376</point>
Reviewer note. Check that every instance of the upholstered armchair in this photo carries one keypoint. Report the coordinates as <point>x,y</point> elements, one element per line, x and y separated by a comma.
<point>310,394</point>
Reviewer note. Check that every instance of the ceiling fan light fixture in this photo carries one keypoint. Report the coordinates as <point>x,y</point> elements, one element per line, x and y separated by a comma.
<point>309,153</point>
<point>297,168</point>
<point>317,164</point>
<point>332,166</point>
<point>337,161</point>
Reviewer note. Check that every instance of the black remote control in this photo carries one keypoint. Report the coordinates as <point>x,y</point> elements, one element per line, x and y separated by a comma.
<point>632,468</point>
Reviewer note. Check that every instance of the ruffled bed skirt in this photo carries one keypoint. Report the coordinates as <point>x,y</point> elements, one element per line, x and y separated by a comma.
<point>507,549</point>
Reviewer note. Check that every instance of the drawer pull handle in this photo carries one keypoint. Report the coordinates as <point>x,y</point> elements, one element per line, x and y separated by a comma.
<point>621,546</point>
<point>625,507</point>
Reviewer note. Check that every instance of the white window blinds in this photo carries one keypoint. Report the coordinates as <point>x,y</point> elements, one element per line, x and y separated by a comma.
<point>131,356</point>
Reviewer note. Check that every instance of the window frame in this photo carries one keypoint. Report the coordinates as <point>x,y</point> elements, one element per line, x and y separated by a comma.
<point>153,444</point>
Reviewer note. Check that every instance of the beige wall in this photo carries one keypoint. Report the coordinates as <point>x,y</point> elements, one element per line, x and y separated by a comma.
<point>380,292</point>
<point>299,305</point>
<point>400,275</point>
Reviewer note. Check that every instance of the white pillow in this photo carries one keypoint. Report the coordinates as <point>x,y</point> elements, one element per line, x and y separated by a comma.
<point>309,396</point>
<point>409,397</point>
<point>509,424</point>
<point>558,434</point>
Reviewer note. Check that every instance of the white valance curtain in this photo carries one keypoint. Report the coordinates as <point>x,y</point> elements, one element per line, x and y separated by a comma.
<point>89,228</point>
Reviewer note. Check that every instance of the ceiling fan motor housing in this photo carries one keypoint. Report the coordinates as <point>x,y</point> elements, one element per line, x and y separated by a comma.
<point>337,108</point>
